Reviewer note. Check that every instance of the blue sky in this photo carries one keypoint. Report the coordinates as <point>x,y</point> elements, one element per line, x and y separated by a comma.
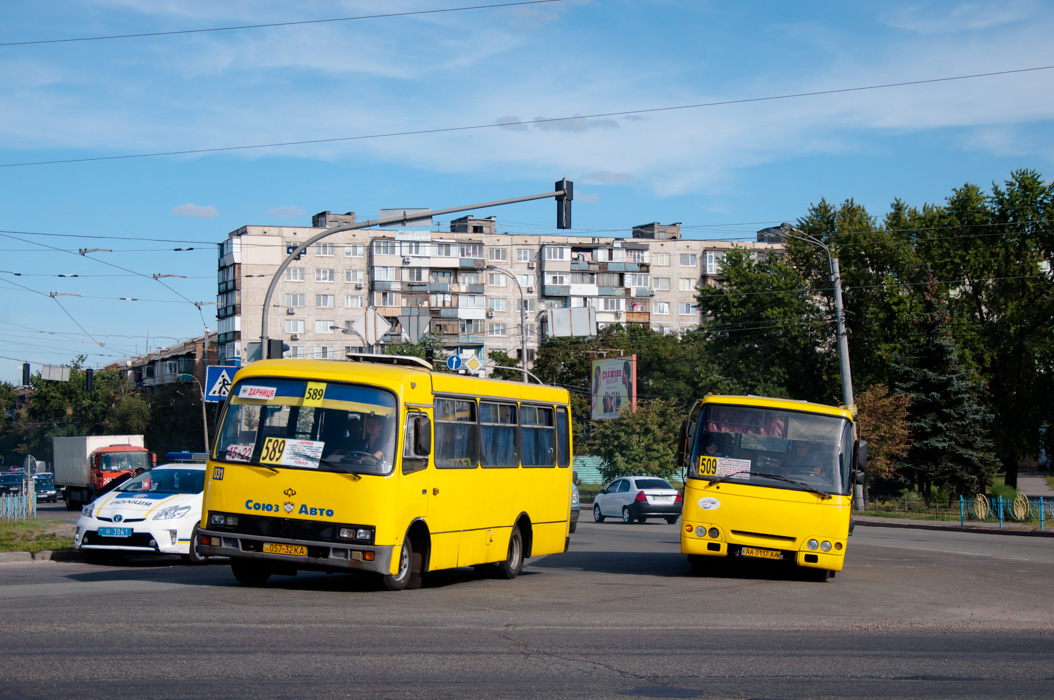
<point>691,132</point>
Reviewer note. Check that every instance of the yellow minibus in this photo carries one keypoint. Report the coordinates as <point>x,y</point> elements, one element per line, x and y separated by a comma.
<point>380,465</point>
<point>769,480</point>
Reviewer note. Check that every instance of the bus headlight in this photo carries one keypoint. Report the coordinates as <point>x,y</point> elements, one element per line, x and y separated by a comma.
<point>813,545</point>
<point>713,533</point>
<point>825,546</point>
<point>361,534</point>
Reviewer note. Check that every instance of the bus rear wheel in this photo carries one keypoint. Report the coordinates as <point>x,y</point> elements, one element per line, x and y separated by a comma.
<point>400,580</point>
<point>513,564</point>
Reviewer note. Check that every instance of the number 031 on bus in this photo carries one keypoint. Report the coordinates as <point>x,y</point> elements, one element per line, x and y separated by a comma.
<point>769,480</point>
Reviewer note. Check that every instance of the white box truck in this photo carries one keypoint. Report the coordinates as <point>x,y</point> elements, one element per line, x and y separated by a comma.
<point>85,464</point>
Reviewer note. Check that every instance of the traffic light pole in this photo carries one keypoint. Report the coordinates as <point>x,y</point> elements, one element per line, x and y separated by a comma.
<point>563,195</point>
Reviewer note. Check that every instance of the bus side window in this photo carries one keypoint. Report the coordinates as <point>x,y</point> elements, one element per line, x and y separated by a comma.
<point>417,442</point>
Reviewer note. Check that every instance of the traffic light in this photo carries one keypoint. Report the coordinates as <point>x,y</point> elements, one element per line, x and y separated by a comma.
<point>563,203</point>
<point>25,374</point>
<point>275,348</point>
<point>89,379</point>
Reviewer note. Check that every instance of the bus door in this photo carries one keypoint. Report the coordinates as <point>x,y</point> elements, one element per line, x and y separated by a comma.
<point>415,479</point>
<point>454,499</point>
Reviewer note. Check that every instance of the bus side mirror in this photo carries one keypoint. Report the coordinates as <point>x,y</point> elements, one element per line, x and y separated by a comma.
<point>861,455</point>
<point>687,431</point>
<point>422,436</point>
<point>857,477</point>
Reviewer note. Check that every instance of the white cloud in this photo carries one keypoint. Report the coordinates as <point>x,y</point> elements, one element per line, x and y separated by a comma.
<point>195,211</point>
<point>289,212</point>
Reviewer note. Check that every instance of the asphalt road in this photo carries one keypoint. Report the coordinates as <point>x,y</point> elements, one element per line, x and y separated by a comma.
<point>915,613</point>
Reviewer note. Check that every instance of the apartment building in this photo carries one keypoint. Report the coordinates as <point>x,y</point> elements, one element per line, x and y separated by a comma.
<point>466,286</point>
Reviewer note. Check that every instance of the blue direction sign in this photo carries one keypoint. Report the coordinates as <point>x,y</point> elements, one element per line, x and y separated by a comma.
<point>218,381</point>
<point>453,363</point>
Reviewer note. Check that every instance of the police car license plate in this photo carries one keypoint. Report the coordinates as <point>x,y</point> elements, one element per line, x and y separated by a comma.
<point>760,553</point>
<point>296,550</point>
<point>115,531</point>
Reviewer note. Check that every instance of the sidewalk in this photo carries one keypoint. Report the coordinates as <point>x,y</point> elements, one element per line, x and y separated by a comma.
<point>954,526</point>
<point>1034,484</point>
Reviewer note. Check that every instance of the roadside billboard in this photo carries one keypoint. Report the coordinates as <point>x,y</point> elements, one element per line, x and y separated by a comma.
<point>613,385</point>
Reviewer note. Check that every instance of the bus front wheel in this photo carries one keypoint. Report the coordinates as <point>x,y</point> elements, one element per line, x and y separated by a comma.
<point>249,573</point>
<point>400,580</point>
<point>513,564</point>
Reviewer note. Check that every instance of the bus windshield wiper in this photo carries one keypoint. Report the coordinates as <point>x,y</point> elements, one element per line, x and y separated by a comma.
<point>265,466</point>
<point>339,467</point>
<point>777,477</point>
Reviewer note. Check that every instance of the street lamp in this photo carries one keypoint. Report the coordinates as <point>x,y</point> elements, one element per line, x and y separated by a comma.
<point>839,314</point>
<point>350,330</point>
<point>204,420</point>
<point>523,318</point>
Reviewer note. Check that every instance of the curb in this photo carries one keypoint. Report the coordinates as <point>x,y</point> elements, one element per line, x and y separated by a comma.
<point>951,527</point>
<point>47,555</point>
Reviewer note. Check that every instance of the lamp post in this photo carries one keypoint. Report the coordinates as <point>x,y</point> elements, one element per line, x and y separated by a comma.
<point>352,331</point>
<point>562,194</point>
<point>204,420</point>
<point>523,318</point>
<point>839,314</point>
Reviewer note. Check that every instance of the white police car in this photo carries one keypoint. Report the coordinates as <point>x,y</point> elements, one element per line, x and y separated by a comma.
<point>156,512</point>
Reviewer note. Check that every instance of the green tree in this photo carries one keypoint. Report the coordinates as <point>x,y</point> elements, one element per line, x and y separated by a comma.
<point>952,448</point>
<point>767,333</point>
<point>882,420</point>
<point>503,364</point>
<point>640,442</point>
<point>428,344</point>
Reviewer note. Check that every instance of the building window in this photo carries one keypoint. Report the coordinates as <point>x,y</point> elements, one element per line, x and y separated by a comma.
<point>325,250</point>
<point>324,301</point>
<point>354,301</point>
<point>470,250</point>
<point>294,351</point>
<point>529,305</point>
<point>294,326</point>
<point>294,299</point>
<point>685,284</point>
<point>387,299</point>
<point>386,274</point>
<point>441,300</point>
<point>415,301</point>
<point>688,308</point>
<point>608,279</point>
<point>636,279</point>
<point>471,326</point>
<point>472,301</point>
<point>607,304</point>
<point>441,276</point>
<point>583,278</point>
<point>384,248</point>
<point>660,259</point>
<point>325,275</point>
<point>556,278</point>
<point>325,352</point>
<point>689,259</point>
<point>469,278</point>
<point>660,308</point>
<point>497,304</point>
<point>353,276</point>
<point>498,254</point>
<point>557,253</point>
<point>443,250</point>
<point>496,330</point>
<point>713,262</point>
<point>637,256</point>
<point>294,274</point>
<point>525,255</point>
<point>413,248</point>
<point>354,250</point>
<point>660,284</point>
<point>323,326</point>
<point>415,274</point>
<point>496,279</point>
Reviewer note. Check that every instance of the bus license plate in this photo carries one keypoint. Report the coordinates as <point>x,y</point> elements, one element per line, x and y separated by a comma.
<point>761,553</point>
<point>296,550</point>
<point>115,531</point>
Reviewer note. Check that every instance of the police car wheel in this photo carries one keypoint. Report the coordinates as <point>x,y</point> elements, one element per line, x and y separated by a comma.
<point>192,557</point>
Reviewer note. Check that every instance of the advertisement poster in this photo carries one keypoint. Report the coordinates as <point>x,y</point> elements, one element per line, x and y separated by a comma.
<point>613,385</point>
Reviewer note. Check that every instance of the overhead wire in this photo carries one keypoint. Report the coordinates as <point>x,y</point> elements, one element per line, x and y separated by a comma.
<point>531,122</point>
<point>269,25</point>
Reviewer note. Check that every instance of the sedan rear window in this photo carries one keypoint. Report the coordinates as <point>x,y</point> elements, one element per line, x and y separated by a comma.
<point>652,484</point>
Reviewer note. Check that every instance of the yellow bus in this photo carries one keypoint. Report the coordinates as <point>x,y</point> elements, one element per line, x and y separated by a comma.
<point>383,466</point>
<point>769,479</point>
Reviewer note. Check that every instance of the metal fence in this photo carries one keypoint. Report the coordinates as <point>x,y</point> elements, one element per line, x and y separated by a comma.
<point>1020,509</point>
<point>20,507</point>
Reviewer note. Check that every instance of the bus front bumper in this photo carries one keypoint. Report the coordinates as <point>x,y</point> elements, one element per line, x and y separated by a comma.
<point>320,556</point>
<point>702,539</point>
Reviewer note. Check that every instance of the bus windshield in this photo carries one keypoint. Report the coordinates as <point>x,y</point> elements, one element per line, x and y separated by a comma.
<point>775,448</point>
<point>303,424</point>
